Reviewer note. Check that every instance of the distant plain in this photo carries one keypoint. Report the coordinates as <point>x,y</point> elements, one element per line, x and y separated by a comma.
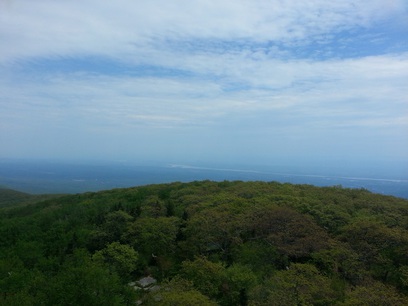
<point>44,177</point>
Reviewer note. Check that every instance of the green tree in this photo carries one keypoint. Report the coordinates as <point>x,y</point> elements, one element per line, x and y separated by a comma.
<point>403,277</point>
<point>374,294</point>
<point>154,207</point>
<point>116,223</point>
<point>119,257</point>
<point>341,261</point>
<point>262,257</point>
<point>214,230</point>
<point>292,233</point>
<point>179,292</point>
<point>208,277</point>
<point>301,284</point>
<point>97,240</point>
<point>155,240</point>
<point>14,278</point>
<point>239,281</point>
<point>82,282</point>
<point>382,249</point>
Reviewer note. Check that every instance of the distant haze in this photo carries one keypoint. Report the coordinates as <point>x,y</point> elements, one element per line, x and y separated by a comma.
<point>280,83</point>
<point>40,176</point>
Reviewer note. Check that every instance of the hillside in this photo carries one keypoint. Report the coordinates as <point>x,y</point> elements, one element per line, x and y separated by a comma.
<point>10,197</point>
<point>207,243</point>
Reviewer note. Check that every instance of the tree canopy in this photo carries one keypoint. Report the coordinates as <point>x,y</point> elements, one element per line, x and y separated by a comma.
<point>206,243</point>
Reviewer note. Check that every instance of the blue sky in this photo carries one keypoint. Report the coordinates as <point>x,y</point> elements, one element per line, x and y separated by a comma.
<point>217,81</point>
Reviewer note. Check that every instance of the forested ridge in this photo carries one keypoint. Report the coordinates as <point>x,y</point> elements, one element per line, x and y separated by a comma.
<point>207,243</point>
<point>10,197</point>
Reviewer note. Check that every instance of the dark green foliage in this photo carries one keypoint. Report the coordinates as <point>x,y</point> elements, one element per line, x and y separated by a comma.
<point>207,243</point>
<point>178,292</point>
<point>293,234</point>
<point>299,284</point>
<point>9,197</point>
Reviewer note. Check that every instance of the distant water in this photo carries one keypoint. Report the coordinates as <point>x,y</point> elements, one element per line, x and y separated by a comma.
<point>56,177</point>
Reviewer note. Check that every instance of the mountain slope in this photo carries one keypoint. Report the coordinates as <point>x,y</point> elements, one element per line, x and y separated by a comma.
<point>208,243</point>
<point>10,197</point>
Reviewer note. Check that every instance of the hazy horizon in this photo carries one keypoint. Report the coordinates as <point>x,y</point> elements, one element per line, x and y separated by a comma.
<point>52,176</point>
<point>219,82</point>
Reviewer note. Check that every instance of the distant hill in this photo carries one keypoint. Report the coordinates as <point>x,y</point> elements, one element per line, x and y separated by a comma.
<point>206,243</point>
<point>10,197</point>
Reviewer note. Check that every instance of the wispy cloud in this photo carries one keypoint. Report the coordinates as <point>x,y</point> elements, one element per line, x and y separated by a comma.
<point>259,67</point>
<point>127,28</point>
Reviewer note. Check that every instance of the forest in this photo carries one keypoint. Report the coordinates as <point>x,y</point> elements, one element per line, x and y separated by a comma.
<point>205,243</point>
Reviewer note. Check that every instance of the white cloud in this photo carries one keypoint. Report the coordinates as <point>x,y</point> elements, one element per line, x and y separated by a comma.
<point>336,89</point>
<point>47,28</point>
<point>234,67</point>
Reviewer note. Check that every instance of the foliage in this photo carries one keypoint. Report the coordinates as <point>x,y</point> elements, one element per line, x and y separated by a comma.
<point>9,197</point>
<point>121,258</point>
<point>206,276</point>
<point>300,284</point>
<point>207,243</point>
<point>179,292</point>
<point>375,293</point>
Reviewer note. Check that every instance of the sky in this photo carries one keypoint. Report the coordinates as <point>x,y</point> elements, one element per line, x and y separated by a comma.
<point>243,81</point>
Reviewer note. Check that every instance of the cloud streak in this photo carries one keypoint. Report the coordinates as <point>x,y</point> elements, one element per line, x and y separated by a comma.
<point>125,28</point>
<point>258,69</point>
